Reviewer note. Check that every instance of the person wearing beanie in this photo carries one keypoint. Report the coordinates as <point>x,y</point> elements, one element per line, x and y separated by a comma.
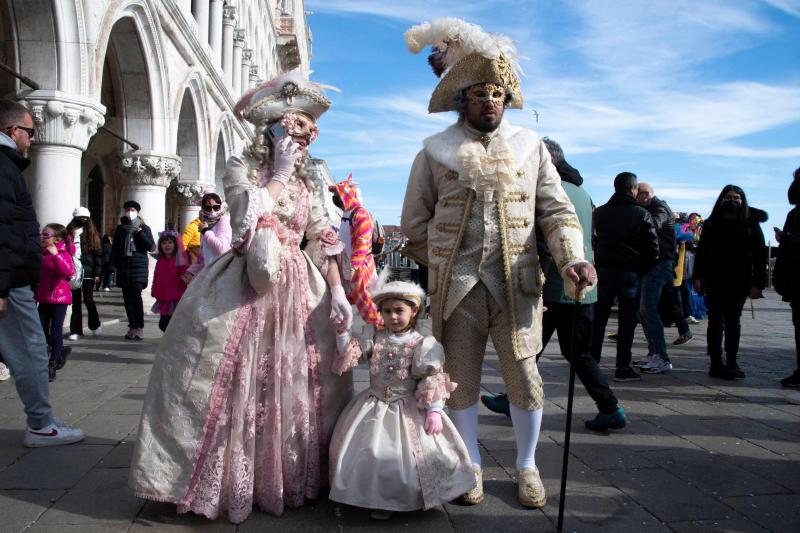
<point>133,241</point>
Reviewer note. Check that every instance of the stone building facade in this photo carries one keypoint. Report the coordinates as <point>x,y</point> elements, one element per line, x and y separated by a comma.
<point>164,74</point>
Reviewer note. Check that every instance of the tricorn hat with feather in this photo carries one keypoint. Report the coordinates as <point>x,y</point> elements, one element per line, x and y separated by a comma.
<point>464,55</point>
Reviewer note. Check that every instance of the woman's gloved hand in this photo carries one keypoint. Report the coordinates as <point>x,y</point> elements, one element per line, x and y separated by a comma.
<point>342,308</point>
<point>286,153</point>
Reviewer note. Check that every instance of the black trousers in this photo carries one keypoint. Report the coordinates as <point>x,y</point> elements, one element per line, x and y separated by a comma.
<point>796,321</point>
<point>626,288</point>
<point>558,318</point>
<point>76,320</point>
<point>134,308</point>
<point>724,314</point>
<point>163,322</point>
<point>52,318</point>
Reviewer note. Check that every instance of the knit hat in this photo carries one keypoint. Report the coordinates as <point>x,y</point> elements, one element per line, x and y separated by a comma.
<point>81,212</point>
<point>132,204</point>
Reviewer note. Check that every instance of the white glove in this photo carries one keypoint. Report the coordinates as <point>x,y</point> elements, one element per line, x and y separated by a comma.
<point>340,306</point>
<point>343,342</point>
<point>286,153</point>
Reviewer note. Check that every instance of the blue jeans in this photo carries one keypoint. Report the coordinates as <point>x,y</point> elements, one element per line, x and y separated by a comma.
<point>624,286</point>
<point>653,283</point>
<point>24,349</point>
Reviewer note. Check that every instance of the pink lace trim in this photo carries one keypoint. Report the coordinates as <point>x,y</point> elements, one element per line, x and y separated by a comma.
<point>432,389</point>
<point>347,361</point>
<point>219,399</point>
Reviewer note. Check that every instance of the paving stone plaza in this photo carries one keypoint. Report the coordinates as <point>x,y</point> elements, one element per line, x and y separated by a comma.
<point>700,454</point>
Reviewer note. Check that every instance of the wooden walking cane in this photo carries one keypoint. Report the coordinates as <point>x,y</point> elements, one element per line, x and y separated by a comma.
<point>752,309</point>
<point>568,428</point>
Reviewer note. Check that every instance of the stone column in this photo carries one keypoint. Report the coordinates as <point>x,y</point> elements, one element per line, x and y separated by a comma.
<point>201,8</point>
<point>247,56</point>
<point>253,76</point>
<point>228,22</point>
<point>188,196</point>
<point>215,32</point>
<point>64,124</point>
<point>236,75</point>
<point>149,174</point>
<point>185,7</point>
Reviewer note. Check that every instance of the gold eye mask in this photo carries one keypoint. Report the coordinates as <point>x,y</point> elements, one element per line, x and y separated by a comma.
<point>486,92</point>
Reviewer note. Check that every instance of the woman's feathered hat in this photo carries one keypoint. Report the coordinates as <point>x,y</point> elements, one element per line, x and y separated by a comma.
<point>398,290</point>
<point>292,91</point>
<point>464,55</point>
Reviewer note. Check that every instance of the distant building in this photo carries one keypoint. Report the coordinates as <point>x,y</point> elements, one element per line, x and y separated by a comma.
<point>165,74</point>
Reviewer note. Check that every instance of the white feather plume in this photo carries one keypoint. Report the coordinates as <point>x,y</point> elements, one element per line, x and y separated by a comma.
<point>456,39</point>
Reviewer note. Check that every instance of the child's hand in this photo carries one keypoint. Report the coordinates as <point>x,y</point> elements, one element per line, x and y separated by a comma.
<point>433,423</point>
<point>186,278</point>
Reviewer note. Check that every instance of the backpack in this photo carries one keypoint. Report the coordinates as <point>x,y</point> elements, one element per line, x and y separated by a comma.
<point>378,233</point>
<point>76,280</point>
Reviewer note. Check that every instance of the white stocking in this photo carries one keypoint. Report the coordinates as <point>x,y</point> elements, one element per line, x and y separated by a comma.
<point>466,422</point>
<point>526,430</point>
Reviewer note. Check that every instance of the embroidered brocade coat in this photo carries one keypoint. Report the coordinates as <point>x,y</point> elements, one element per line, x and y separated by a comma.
<point>437,208</point>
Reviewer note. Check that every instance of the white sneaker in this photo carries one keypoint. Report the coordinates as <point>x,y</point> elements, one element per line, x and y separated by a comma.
<point>5,374</point>
<point>643,362</point>
<point>74,336</point>
<point>106,289</point>
<point>98,331</point>
<point>52,435</point>
<point>657,366</point>
<point>793,398</point>
<point>692,320</point>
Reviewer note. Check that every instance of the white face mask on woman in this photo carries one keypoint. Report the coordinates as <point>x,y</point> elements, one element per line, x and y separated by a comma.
<point>132,214</point>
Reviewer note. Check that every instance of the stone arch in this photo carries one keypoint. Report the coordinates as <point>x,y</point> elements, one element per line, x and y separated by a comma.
<point>224,147</point>
<point>142,92</point>
<point>34,23</point>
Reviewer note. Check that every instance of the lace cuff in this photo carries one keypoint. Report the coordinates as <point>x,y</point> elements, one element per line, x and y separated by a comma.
<point>434,390</point>
<point>348,352</point>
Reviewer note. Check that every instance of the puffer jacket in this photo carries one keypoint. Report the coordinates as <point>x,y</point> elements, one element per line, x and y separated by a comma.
<point>626,235</point>
<point>167,283</point>
<point>56,270</point>
<point>20,247</point>
<point>132,269</point>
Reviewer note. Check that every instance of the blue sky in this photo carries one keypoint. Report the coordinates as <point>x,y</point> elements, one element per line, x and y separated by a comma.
<point>689,95</point>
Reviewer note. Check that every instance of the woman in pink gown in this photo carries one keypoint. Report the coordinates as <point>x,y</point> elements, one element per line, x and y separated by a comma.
<point>241,401</point>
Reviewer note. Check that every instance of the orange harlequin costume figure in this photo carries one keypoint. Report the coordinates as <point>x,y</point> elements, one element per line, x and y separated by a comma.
<point>360,274</point>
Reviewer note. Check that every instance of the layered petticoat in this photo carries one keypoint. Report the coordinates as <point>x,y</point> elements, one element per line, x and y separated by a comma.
<point>241,401</point>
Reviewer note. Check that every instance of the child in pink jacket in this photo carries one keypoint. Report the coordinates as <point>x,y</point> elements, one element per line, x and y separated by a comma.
<point>54,293</point>
<point>168,285</point>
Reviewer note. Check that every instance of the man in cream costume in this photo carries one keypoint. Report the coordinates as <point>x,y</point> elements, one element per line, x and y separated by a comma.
<point>475,193</point>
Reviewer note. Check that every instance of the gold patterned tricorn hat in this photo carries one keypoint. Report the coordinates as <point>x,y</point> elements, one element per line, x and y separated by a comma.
<point>464,55</point>
<point>290,92</point>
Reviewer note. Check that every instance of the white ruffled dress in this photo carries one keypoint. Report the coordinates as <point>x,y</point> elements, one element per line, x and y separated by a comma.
<point>380,455</point>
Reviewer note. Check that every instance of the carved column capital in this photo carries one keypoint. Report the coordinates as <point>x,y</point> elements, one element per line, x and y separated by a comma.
<point>238,37</point>
<point>63,119</point>
<point>187,194</point>
<point>229,15</point>
<point>247,55</point>
<point>145,167</point>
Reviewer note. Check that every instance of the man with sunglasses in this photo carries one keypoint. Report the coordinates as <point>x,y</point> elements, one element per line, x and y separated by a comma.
<point>22,340</point>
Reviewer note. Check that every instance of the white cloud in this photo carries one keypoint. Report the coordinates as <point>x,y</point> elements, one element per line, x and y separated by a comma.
<point>410,10</point>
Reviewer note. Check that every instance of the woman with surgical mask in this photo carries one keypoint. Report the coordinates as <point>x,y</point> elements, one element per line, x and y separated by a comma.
<point>86,240</point>
<point>133,240</point>
<point>730,266</point>
<point>215,232</point>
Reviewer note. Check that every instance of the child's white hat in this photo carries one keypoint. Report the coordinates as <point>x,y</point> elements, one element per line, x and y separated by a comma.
<point>398,290</point>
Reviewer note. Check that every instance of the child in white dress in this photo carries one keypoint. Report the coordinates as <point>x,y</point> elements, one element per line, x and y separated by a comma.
<point>394,448</point>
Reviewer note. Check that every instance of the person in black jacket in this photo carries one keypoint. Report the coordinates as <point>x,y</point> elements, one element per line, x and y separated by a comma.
<point>22,340</point>
<point>730,265</point>
<point>657,278</point>
<point>108,266</point>
<point>133,240</point>
<point>787,268</point>
<point>87,242</point>
<point>627,246</point>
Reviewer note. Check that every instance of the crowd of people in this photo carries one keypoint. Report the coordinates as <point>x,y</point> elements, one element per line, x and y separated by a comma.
<point>250,394</point>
